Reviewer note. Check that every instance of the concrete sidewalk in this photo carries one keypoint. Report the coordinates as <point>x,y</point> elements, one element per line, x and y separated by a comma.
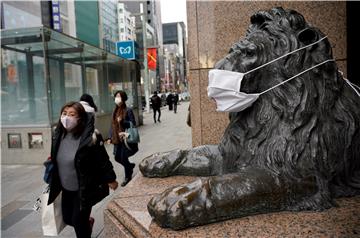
<point>22,184</point>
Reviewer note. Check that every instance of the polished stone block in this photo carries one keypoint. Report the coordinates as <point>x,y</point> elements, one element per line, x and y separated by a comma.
<point>127,216</point>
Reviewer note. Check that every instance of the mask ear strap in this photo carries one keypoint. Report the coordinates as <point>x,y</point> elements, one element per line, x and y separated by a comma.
<point>267,90</point>
<point>271,61</point>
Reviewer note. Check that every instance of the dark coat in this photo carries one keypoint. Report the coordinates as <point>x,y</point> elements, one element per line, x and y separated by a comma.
<point>155,102</point>
<point>93,167</point>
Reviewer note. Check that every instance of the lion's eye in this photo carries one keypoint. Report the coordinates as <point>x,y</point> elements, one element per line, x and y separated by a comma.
<point>250,53</point>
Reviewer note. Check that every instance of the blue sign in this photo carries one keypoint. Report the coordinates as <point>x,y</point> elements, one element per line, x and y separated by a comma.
<point>56,15</point>
<point>126,49</point>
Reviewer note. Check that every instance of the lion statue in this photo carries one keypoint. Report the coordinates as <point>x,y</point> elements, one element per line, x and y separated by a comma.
<point>296,148</point>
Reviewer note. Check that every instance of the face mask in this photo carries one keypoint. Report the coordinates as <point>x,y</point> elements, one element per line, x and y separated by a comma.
<point>69,123</point>
<point>225,86</point>
<point>117,100</point>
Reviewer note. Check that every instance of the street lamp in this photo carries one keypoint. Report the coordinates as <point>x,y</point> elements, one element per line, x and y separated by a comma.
<point>146,71</point>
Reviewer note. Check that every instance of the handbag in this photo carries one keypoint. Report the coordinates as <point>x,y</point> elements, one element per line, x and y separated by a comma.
<point>48,170</point>
<point>132,134</point>
<point>51,215</point>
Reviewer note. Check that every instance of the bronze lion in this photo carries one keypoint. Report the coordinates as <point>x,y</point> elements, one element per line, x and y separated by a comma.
<point>296,148</point>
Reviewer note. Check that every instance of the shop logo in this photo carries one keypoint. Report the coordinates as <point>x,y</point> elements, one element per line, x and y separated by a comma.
<point>125,49</point>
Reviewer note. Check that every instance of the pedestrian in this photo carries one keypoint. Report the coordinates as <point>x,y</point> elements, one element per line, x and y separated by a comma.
<point>82,170</point>
<point>88,103</point>
<point>121,118</point>
<point>170,101</point>
<point>156,105</point>
<point>175,101</point>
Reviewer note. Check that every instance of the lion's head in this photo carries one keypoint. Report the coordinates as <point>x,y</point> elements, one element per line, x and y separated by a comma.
<point>309,126</point>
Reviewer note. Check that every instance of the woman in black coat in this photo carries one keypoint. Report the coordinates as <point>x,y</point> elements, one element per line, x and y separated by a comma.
<point>82,169</point>
<point>121,118</point>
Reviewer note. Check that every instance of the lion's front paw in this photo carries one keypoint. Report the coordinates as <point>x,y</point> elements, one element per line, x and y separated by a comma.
<point>183,206</point>
<point>161,164</point>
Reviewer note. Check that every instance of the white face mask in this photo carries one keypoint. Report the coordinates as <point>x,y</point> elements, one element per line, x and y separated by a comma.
<point>117,100</point>
<point>68,122</point>
<point>225,86</point>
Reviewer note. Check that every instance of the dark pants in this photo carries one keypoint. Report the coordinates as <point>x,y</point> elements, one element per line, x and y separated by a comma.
<point>175,107</point>
<point>75,217</point>
<point>159,114</point>
<point>122,156</point>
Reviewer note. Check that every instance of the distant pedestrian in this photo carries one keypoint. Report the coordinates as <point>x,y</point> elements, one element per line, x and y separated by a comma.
<point>175,101</point>
<point>156,105</point>
<point>82,169</point>
<point>170,101</point>
<point>121,118</point>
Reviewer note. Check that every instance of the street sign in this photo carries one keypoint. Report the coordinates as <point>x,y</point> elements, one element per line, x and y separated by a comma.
<point>126,49</point>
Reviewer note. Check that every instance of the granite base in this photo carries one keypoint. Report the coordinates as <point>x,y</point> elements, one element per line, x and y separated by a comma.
<point>127,216</point>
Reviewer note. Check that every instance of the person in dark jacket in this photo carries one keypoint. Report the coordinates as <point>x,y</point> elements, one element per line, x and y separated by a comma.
<point>170,101</point>
<point>82,169</point>
<point>156,105</point>
<point>121,118</point>
<point>175,99</point>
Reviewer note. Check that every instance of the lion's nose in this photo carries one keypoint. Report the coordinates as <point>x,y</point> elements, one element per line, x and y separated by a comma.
<point>224,64</point>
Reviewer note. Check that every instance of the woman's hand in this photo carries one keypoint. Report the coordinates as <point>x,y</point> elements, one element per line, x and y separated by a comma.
<point>123,135</point>
<point>113,185</point>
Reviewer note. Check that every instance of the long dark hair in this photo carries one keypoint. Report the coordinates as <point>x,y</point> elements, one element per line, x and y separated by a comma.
<point>119,111</point>
<point>122,107</point>
<point>89,99</point>
<point>79,129</point>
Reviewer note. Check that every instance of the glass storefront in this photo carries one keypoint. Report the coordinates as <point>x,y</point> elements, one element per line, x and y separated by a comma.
<point>42,69</point>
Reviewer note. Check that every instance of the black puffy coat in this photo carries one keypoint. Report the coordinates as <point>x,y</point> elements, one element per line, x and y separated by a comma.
<point>93,167</point>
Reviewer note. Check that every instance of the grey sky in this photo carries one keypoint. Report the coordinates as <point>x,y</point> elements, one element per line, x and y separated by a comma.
<point>173,11</point>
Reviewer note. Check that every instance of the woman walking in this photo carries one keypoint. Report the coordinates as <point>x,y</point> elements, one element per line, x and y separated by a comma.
<point>82,169</point>
<point>121,119</point>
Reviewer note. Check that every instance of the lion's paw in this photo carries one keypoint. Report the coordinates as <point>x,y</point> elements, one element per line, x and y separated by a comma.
<point>183,206</point>
<point>161,164</point>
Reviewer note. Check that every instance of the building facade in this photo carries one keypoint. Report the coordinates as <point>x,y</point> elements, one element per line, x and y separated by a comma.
<point>109,24</point>
<point>174,39</point>
<point>152,16</point>
<point>126,24</point>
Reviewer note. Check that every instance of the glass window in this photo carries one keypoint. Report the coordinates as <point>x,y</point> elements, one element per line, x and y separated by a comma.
<point>23,94</point>
<point>73,67</point>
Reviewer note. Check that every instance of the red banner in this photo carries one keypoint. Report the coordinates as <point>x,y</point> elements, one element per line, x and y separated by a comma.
<point>151,56</point>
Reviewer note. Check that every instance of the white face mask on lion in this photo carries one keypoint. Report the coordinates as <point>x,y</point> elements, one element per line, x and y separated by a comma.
<point>225,86</point>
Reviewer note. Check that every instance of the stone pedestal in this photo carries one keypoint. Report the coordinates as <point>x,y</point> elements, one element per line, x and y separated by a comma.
<point>127,216</point>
